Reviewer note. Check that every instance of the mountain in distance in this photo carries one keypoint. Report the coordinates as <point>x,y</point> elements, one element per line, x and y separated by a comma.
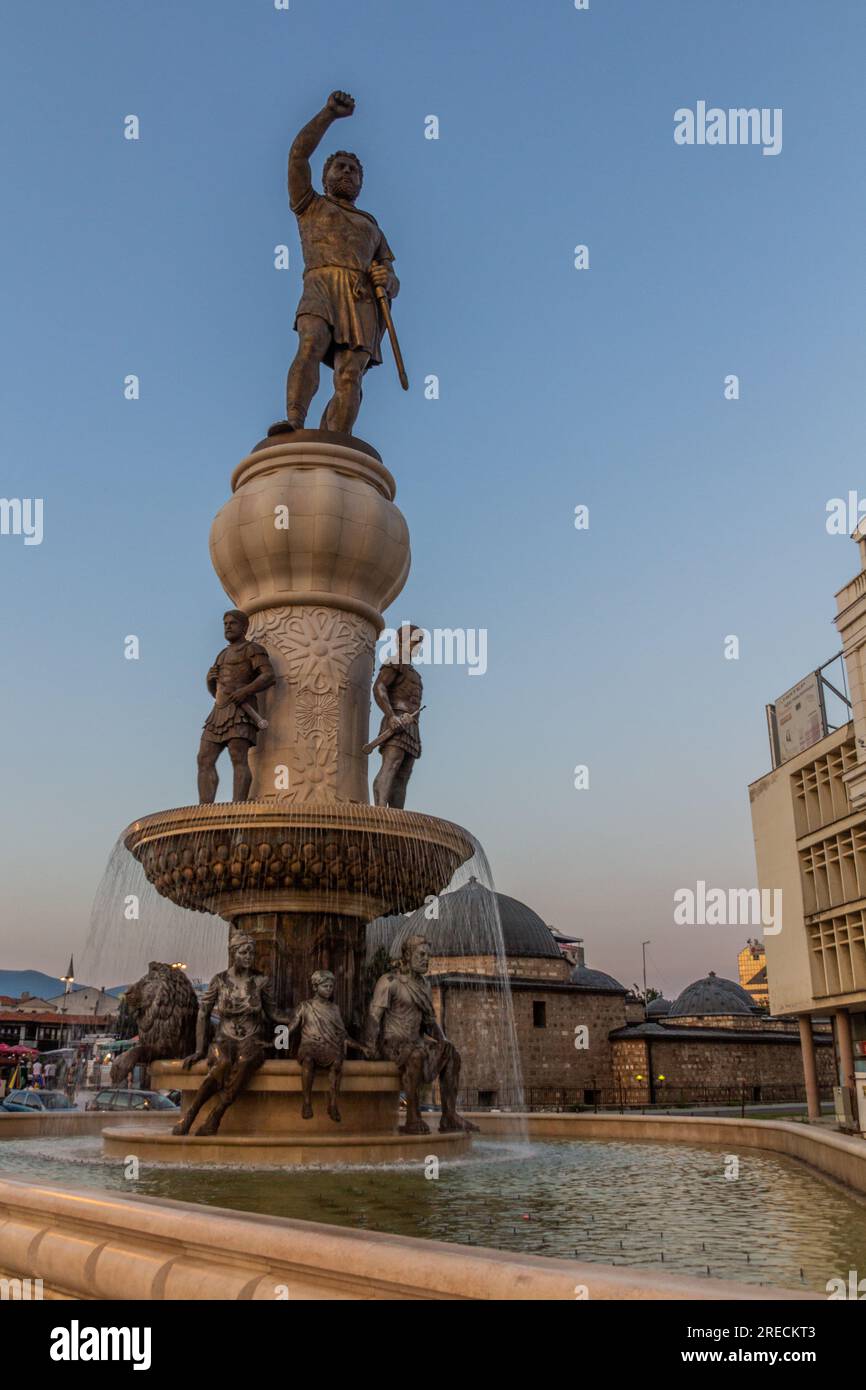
<point>14,983</point>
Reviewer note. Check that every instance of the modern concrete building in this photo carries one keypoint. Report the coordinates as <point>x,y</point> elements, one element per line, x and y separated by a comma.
<point>809,823</point>
<point>752,972</point>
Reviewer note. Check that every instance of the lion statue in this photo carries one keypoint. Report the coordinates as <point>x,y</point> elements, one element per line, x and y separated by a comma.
<point>164,1005</point>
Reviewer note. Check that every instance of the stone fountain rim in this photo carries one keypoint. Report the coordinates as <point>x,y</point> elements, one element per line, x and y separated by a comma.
<point>240,815</point>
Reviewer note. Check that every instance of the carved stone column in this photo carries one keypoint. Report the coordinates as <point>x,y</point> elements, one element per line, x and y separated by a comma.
<point>319,709</point>
<point>311,546</point>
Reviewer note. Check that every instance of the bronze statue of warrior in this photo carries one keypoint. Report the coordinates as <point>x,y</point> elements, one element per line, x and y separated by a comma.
<point>398,691</point>
<point>324,1040</point>
<point>347,264</point>
<point>402,1028</point>
<point>241,670</point>
<point>242,1000</point>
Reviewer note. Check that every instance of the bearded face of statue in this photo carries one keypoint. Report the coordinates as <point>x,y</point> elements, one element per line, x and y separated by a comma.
<point>419,960</point>
<point>343,179</point>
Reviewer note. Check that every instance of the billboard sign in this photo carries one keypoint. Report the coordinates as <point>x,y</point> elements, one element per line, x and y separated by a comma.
<point>800,718</point>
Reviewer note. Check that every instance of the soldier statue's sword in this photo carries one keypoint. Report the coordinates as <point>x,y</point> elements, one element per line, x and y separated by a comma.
<point>407,717</point>
<point>392,334</point>
<point>254,715</point>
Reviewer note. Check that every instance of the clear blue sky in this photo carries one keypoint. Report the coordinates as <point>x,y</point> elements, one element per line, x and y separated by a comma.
<point>558,387</point>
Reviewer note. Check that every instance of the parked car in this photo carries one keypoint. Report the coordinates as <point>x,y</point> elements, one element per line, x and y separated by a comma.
<point>18,1101</point>
<point>123,1099</point>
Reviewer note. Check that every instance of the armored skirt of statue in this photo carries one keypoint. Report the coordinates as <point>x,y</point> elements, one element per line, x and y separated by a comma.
<point>340,243</point>
<point>405,693</point>
<point>235,666</point>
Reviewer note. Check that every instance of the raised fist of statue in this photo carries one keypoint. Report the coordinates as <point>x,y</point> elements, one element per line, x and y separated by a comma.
<point>341,104</point>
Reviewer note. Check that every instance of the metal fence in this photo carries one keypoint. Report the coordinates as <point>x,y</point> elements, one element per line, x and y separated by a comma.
<point>635,1098</point>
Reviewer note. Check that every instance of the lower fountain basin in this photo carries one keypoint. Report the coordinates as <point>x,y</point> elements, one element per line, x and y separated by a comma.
<point>264,1125</point>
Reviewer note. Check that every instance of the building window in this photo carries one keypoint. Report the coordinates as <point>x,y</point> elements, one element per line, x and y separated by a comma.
<point>539,1013</point>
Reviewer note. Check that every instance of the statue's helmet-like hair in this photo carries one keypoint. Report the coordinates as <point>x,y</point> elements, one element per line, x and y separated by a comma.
<point>237,940</point>
<point>240,615</point>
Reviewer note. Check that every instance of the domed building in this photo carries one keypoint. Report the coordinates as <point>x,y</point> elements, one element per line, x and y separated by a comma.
<point>474,929</point>
<point>594,980</point>
<point>658,1008</point>
<point>562,1012</point>
<point>713,1044</point>
<point>714,996</point>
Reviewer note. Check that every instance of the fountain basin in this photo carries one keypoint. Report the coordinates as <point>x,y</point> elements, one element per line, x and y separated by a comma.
<point>264,1125</point>
<point>302,881</point>
<point>281,1150</point>
<point>233,858</point>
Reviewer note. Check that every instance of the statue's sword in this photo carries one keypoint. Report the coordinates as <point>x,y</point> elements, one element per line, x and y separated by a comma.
<point>406,718</point>
<point>392,334</point>
<point>254,715</point>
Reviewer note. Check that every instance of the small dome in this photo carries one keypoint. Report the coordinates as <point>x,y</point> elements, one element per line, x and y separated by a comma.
<point>712,995</point>
<point>595,980</point>
<point>658,1008</point>
<point>467,925</point>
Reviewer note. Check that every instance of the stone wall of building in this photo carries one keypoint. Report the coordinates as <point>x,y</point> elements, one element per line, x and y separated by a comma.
<point>523,967</point>
<point>548,1015</point>
<point>745,1022</point>
<point>713,1065</point>
<point>545,1021</point>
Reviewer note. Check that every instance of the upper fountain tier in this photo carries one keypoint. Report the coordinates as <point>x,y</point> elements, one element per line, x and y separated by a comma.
<point>312,547</point>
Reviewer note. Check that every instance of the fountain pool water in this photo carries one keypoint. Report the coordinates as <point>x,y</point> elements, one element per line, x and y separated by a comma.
<point>596,1200</point>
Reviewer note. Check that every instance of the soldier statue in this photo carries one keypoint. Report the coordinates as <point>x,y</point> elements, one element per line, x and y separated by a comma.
<point>247,1015</point>
<point>324,1040</point>
<point>347,269</point>
<point>402,1028</point>
<point>397,691</point>
<point>241,670</point>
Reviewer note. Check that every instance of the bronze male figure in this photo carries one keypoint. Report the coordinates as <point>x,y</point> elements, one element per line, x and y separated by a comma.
<point>247,1015</point>
<point>398,690</point>
<point>402,1028</point>
<point>240,671</point>
<point>347,260</point>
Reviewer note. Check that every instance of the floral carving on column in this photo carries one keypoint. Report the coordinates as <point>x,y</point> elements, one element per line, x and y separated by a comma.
<point>319,646</point>
<point>316,713</point>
